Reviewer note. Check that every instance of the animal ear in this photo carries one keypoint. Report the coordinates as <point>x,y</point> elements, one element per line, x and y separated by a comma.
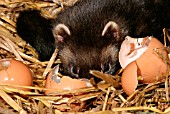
<point>60,31</point>
<point>112,28</point>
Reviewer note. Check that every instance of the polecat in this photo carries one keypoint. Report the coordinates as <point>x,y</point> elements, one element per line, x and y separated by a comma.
<point>89,34</point>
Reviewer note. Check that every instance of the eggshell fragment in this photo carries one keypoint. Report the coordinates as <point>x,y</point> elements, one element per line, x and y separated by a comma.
<point>132,48</point>
<point>129,78</point>
<point>66,83</point>
<point>15,72</point>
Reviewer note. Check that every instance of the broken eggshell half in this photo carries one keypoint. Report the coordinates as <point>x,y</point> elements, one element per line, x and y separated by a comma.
<point>148,65</point>
<point>129,78</point>
<point>53,81</point>
<point>131,49</point>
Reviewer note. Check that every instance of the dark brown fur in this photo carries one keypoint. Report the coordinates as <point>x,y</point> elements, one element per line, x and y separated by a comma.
<point>83,47</point>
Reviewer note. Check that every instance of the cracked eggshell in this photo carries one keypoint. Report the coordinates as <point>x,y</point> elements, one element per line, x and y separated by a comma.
<point>129,79</point>
<point>131,49</point>
<point>64,83</point>
<point>151,67</point>
<point>15,72</point>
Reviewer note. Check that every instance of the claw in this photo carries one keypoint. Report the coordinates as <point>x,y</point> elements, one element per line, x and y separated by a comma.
<point>71,72</point>
<point>102,67</point>
<point>78,70</point>
<point>111,69</point>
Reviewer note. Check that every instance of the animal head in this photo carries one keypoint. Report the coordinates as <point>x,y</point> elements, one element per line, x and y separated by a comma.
<point>89,48</point>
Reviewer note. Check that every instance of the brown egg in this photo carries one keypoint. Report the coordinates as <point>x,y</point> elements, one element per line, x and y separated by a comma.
<point>149,66</point>
<point>15,72</point>
<point>64,83</point>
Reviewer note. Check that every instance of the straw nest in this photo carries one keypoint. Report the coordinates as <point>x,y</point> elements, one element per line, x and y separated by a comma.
<point>101,99</point>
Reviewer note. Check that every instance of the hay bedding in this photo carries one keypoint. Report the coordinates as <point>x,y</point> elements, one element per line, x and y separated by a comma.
<point>101,99</point>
